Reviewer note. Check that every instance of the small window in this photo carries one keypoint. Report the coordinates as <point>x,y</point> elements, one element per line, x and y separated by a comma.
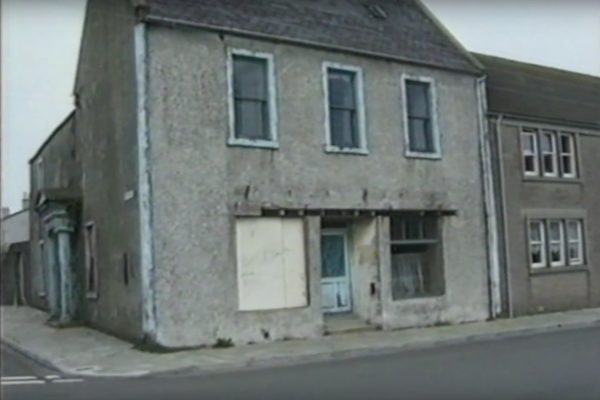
<point>417,267</point>
<point>530,151</point>
<point>537,244</point>
<point>91,261</point>
<point>420,120</point>
<point>549,154</point>
<point>252,103</point>
<point>567,155</point>
<point>575,242</point>
<point>344,109</point>
<point>556,243</point>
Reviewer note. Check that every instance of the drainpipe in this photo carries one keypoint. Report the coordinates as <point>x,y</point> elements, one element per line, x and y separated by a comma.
<point>147,267</point>
<point>491,223</point>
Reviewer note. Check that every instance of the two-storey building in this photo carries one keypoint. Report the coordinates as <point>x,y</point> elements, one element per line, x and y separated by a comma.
<point>263,170</point>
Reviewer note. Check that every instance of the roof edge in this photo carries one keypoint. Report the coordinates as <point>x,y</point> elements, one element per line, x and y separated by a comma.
<point>544,120</point>
<point>151,19</point>
<point>65,121</point>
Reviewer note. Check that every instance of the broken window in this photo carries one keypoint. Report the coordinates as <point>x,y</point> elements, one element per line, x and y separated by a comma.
<point>419,116</point>
<point>344,129</point>
<point>530,151</point>
<point>91,261</point>
<point>416,254</point>
<point>549,154</point>
<point>251,99</point>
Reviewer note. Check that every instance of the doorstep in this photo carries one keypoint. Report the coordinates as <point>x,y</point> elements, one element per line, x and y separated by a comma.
<point>341,323</point>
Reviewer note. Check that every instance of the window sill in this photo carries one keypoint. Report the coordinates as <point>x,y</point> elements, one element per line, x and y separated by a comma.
<point>260,144</point>
<point>550,179</point>
<point>340,150</point>
<point>425,156</point>
<point>557,270</point>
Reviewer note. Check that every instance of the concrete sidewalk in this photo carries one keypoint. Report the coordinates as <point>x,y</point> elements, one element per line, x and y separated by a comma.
<point>84,351</point>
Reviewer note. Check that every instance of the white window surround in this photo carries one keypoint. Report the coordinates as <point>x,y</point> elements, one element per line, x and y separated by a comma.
<point>553,152</point>
<point>577,241</point>
<point>541,242</point>
<point>570,154</point>
<point>526,135</point>
<point>437,154</point>
<point>360,109</point>
<point>273,118</point>
<point>554,241</point>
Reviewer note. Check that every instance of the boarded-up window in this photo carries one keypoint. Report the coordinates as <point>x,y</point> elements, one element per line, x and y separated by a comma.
<point>270,263</point>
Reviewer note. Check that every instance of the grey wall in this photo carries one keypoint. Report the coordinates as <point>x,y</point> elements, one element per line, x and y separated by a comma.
<point>198,181</point>
<point>558,289</point>
<point>107,144</point>
<point>60,169</point>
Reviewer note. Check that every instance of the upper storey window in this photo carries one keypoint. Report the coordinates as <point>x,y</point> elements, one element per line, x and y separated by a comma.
<point>548,153</point>
<point>422,138</point>
<point>253,114</point>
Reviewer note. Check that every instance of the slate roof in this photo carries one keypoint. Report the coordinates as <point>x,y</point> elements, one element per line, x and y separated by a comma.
<point>406,33</point>
<point>541,93</point>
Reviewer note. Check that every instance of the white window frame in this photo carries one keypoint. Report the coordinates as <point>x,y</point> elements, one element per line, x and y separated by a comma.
<point>560,242</point>
<point>578,241</point>
<point>572,154</point>
<point>437,154</point>
<point>91,241</point>
<point>526,133</point>
<point>554,153</point>
<point>360,108</point>
<point>273,143</point>
<point>541,242</point>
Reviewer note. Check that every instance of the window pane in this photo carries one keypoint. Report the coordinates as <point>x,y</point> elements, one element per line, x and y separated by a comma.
<point>567,166</point>
<point>530,164</point>
<point>408,278</point>
<point>554,230</point>
<point>344,132</point>
<point>549,163</point>
<point>414,229</point>
<point>535,234</point>
<point>536,254</point>
<point>548,142</point>
<point>556,252</point>
<point>250,78</point>
<point>574,252</point>
<point>528,143</point>
<point>251,118</point>
<point>566,144</point>
<point>417,97</point>
<point>573,231</point>
<point>420,135</point>
<point>332,256</point>
<point>341,89</point>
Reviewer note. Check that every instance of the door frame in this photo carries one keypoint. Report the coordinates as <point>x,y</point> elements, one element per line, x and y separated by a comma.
<point>344,233</point>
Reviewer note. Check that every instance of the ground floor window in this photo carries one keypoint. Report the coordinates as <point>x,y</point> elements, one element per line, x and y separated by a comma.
<point>416,256</point>
<point>271,263</point>
<point>555,242</point>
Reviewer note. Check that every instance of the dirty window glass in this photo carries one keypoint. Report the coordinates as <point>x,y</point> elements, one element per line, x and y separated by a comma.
<point>333,256</point>
<point>419,117</point>
<point>251,99</point>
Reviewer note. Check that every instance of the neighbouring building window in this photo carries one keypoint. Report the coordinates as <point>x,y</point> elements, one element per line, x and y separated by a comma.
<point>271,263</point>
<point>420,124</point>
<point>575,242</point>
<point>567,155</point>
<point>252,102</point>
<point>530,151</point>
<point>555,243</point>
<point>555,156</point>
<point>416,255</point>
<point>549,154</point>
<point>345,112</point>
<point>91,260</point>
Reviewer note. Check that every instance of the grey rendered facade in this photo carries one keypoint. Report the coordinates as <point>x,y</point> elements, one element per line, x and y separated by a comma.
<point>172,196</point>
<point>537,103</point>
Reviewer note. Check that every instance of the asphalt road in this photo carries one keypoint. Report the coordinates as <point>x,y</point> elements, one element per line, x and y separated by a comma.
<point>563,365</point>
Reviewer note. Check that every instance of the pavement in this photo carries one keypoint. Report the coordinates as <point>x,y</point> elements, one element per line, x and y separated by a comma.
<point>558,365</point>
<point>81,351</point>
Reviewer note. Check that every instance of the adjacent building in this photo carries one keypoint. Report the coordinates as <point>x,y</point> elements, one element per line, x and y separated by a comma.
<point>14,257</point>
<point>262,170</point>
<point>545,129</point>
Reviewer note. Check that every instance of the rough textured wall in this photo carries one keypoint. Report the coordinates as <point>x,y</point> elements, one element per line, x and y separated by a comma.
<point>567,288</point>
<point>107,143</point>
<point>59,169</point>
<point>197,179</point>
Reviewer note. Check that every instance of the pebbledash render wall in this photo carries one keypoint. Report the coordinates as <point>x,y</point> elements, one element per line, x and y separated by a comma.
<point>199,184</point>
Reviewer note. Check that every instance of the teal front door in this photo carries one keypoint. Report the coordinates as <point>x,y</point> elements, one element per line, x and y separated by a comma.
<point>335,277</point>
